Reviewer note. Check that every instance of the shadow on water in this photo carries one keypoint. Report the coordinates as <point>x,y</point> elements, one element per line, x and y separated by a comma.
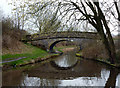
<point>66,70</point>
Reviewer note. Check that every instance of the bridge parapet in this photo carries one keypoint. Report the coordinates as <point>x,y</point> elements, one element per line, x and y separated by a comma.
<point>53,35</point>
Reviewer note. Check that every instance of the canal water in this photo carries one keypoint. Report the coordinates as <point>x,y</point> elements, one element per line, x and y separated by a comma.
<point>65,70</point>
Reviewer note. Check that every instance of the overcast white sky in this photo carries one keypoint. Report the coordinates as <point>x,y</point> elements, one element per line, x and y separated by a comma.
<point>6,10</point>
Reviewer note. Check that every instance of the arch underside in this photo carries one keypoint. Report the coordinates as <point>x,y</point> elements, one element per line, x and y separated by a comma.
<point>53,44</point>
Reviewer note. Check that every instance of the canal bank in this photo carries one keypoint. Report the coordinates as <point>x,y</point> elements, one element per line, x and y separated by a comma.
<point>116,65</point>
<point>34,55</point>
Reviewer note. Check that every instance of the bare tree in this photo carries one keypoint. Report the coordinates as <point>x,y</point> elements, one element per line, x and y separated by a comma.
<point>18,13</point>
<point>117,6</point>
<point>43,15</point>
<point>95,14</point>
<point>74,12</point>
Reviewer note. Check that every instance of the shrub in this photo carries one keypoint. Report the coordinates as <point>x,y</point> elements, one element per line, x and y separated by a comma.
<point>11,36</point>
<point>94,50</point>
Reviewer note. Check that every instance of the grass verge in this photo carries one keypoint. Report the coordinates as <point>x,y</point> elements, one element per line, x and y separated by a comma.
<point>31,54</point>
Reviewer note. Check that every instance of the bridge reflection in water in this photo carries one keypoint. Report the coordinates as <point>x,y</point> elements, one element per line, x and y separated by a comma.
<point>66,70</point>
<point>66,67</point>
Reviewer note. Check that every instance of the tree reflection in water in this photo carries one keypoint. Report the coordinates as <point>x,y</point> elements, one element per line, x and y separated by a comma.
<point>107,79</point>
<point>35,81</point>
<point>111,82</point>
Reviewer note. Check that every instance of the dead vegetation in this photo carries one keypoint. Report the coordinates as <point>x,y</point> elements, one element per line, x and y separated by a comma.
<point>11,37</point>
<point>94,50</point>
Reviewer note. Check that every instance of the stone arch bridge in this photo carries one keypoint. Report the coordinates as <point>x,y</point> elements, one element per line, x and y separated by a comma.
<point>49,40</point>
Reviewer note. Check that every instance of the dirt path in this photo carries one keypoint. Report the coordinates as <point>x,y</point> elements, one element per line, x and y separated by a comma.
<point>68,49</point>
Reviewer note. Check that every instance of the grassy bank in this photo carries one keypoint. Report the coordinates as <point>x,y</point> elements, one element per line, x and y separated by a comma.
<point>32,53</point>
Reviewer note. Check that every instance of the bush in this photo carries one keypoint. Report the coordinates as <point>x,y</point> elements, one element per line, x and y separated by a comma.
<point>94,50</point>
<point>11,36</point>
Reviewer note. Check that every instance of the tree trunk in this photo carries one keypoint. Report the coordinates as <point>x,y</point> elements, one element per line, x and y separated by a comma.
<point>111,82</point>
<point>107,46</point>
<point>99,22</point>
<point>108,41</point>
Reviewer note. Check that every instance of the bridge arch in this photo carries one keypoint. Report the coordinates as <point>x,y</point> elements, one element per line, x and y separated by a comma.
<point>54,43</point>
<point>46,38</point>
